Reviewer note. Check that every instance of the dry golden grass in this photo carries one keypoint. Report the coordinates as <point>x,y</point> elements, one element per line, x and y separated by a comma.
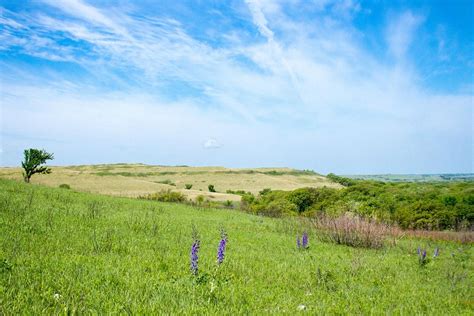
<point>133,180</point>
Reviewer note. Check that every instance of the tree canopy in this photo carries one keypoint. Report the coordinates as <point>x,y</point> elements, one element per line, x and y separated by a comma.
<point>33,161</point>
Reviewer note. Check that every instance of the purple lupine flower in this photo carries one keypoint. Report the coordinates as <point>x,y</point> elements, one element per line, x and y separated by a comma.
<point>422,259</point>
<point>298,242</point>
<point>221,248</point>
<point>436,252</point>
<point>418,251</point>
<point>194,257</point>
<point>304,239</point>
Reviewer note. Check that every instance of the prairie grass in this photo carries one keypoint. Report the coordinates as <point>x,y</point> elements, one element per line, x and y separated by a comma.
<point>133,180</point>
<point>353,231</point>
<point>64,252</point>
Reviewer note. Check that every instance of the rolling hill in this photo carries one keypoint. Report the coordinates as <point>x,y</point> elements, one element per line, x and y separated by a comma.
<point>133,180</point>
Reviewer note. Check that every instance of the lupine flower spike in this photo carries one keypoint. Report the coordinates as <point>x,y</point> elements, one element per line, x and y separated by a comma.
<point>221,248</point>
<point>436,252</point>
<point>298,242</point>
<point>305,240</point>
<point>422,259</point>
<point>194,252</point>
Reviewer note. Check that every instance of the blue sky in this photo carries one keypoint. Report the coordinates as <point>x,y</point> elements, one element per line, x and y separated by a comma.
<point>351,87</point>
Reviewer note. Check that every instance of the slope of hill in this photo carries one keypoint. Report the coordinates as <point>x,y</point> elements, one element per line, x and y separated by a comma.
<point>133,180</point>
<point>66,252</point>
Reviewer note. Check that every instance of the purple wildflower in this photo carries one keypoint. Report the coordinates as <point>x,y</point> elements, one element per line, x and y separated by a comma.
<point>436,252</point>
<point>298,242</point>
<point>305,240</point>
<point>418,251</point>
<point>221,248</point>
<point>194,257</point>
<point>422,259</point>
<point>194,251</point>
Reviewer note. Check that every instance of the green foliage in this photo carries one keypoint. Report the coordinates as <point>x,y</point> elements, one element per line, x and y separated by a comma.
<point>65,186</point>
<point>446,205</point>
<point>228,204</point>
<point>132,257</point>
<point>211,188</point>
<point>303,198</point>
<point>33,161</point>
<point>200,199</point>
<point>238,192</point>
<point>166,196</point>
<point>167,181</point>
<point>341,180</point>
<point>188,186</point>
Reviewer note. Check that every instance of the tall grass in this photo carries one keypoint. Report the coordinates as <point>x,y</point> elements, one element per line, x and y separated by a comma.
<point>353,231</point>
<point>65,252</point>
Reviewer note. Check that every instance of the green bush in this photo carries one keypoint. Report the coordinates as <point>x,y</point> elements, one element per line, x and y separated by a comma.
<point>200,199</point>
<point>166,196</point>
<point>211,188</point>
<point>237,192</point>
<point>167,181</point>
<point>65,186</point>
<point>188,186</point>
<point>303,198</point>
<point>447,205</point>
<point>277,208</point>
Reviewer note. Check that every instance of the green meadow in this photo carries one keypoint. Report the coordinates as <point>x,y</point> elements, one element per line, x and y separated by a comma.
<point>67,252</point>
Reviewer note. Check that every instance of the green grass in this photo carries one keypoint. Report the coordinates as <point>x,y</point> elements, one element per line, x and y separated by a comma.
<point>115,255</point>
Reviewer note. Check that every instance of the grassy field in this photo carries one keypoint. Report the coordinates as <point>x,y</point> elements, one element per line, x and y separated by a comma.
<point>133,180</point>
<point>63,251</point>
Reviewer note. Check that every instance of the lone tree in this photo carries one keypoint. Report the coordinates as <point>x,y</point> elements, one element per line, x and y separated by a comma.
<point>34,158</point>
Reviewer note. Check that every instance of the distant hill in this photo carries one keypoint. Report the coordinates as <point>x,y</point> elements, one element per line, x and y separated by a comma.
<point>415,177</point>
<point>133,180</point>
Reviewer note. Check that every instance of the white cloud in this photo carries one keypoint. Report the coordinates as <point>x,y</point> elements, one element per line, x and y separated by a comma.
<point>211,143</point>
<point>350,97</point>
<point>401,32</point>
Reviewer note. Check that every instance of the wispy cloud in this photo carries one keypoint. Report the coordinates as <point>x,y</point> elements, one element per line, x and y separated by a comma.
<point>401,32</point>
<point>283,90</point>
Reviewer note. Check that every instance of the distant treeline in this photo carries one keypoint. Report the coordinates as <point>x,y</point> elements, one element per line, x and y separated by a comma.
<point>421,205</point>
<point>416,177</point>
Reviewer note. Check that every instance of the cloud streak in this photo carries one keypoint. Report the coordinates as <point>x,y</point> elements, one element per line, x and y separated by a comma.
<point>309,95</point>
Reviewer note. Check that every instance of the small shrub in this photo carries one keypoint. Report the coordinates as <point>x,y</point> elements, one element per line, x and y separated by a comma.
<point>65,186</point>
<point>275,208</point>
<point>238,192</point>
<point>188,186</point>
<point>353,231</point>
<point>228,204</point>
<point>211,188</point>
<point>166,196</point>
<point>167,181</point>
<point>200,199</point>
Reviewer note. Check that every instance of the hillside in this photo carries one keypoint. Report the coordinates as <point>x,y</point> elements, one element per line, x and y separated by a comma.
<point>133,180</point>
<point>68,252</point>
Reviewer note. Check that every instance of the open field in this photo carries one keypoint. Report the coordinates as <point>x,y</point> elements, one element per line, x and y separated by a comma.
<point>63,251</point>
<point>133,180</point>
